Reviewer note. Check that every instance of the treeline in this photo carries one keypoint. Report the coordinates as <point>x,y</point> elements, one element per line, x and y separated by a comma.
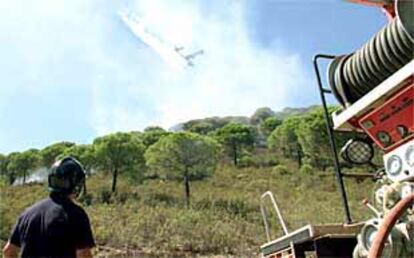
<point>190,154</point>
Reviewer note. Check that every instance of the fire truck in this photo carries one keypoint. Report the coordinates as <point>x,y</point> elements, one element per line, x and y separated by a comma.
<point>375,89</point>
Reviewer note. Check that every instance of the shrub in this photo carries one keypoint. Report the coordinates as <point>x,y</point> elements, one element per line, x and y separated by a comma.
<point>280,170</point>
<point>6,222</point>
<point>246,161</point>
<point>203,204</point>
<point>233,207</point>
<point>121,197</point>
<point>306,169</point>
<point>266,161</point>
<point>86,199</point>
<point>105,196</point>
<point>258,161</point>
<point>154,199</point>
<point>224,219</point>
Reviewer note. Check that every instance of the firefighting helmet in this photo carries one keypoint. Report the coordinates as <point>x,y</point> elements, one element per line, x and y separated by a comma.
<point>66,176</point>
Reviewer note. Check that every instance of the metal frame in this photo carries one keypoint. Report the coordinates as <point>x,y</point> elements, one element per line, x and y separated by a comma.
<point>329,127</point>
<point>264,214</point>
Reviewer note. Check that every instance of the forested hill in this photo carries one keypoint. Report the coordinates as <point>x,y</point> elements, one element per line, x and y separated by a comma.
<point>295,133</point>
<point>195,191</point>
<point>260,114</point>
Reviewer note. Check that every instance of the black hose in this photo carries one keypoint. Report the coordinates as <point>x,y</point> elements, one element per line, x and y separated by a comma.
<point>353,76</point>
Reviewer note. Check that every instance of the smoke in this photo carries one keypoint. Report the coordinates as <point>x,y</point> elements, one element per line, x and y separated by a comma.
<point>37,176</point>
<point>234,77</point>
<point>75,63</point>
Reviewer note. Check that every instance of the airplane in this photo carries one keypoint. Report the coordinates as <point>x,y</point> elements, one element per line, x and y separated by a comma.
<point>171,55</point>
<point>189,57</point>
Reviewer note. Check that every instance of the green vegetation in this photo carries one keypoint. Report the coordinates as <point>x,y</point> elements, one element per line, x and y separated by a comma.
<point>136,179</point>
<point>260,115</point>
<point>51,152</point>
<point>223,217</point>
<point>3,165</point>
<point>183,156</point>
<point>119,152</point>
<point>284,139</point>
<point>21,163</point>
<point>235,137</point>
<point>152,134</point>
<point>269,125</point>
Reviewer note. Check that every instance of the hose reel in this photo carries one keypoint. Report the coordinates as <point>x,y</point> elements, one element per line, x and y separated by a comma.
<point>352,76</point>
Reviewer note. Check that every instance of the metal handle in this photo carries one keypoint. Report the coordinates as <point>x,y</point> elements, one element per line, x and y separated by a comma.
<point>264,213</point>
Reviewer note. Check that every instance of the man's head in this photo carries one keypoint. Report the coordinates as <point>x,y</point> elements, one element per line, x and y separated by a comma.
<point>66,176</point>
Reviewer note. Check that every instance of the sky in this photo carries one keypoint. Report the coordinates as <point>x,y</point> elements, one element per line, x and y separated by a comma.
<point>72,70</point>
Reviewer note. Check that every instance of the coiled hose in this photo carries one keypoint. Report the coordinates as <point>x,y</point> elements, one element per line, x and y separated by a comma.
<point>352,76</point>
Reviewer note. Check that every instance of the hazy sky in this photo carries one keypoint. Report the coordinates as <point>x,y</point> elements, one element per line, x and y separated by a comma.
<point>71,70</point>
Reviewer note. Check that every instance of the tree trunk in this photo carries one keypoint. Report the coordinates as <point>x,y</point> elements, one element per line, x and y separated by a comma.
<point>235,155</point>
<point>187,189</point>
<point>114,177</point>
<point>11,178</point>
<point>299,158</point>
<point>24,177</point>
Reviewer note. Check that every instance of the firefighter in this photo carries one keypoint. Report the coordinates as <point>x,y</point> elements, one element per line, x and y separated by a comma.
<point>55,226</point>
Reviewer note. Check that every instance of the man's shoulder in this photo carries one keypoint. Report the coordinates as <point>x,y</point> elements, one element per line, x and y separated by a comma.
<point>79,210</point>
<point>39,205</point>
<point>33,212</point>
<point>71,207</point>
<point>49,204</point>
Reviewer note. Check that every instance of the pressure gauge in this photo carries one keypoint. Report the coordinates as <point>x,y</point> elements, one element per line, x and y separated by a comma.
<point>402,131</point>
<point>384,138</point>
<point>399,163</point>
<point>369,236</point>
<point>394,165</point>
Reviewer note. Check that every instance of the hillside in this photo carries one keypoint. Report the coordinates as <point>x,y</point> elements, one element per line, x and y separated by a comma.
<point>288,111</point>
<point>219,121</point>
<point>223,219</point>
<point>195,192</point>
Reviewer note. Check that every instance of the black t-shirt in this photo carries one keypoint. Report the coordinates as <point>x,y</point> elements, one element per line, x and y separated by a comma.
<point>53,227</point>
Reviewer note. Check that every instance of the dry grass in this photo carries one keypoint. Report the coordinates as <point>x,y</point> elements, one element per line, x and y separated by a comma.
<point>224,217</point>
